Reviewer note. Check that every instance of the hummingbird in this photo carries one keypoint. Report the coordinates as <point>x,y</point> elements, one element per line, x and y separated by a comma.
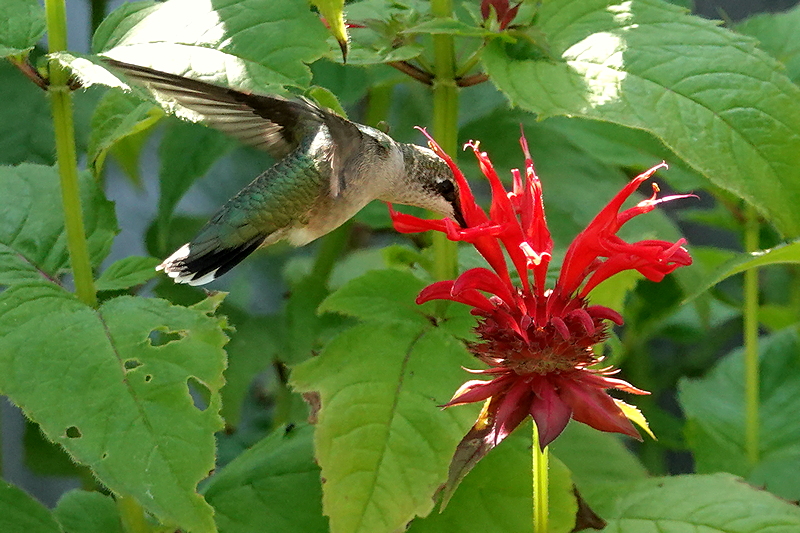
<point>327,169</point>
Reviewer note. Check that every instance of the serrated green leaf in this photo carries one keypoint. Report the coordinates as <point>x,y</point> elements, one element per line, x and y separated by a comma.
<point>33,244</point>
<point>715,424</point>
<point>126,273</point>
<point>46,458</point>
<point>709,94</point>
<point>21,26</point>
<point>785,253</point>
<point>118,116</point>
<point>274,487</point>
<point>383,295</point>
<point>382,442</point>
<point>250,44</point>
<point>686,504</point>
<point>113,387</point>
<point>777,34</point>
<point>80,511</point>
<point>20,512</point>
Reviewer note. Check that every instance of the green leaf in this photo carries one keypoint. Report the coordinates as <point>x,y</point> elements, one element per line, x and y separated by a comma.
<point>251,350</point>
<point>118,116</point>
<point>595,458</point>
<point>127,272</point>
<point>20,512</point>
<point>785,253</point>
<point>22,26</point>
<point>33,242</point>
<point>26,128</point>
<point>710,95</point>
<point>715,424</point>
<point>113,387</point>
<point>272,487</point>
<point>250,44</point>
<point>384,295</point>
<point>777,34</point>
<point>80,511</point>
<point>187,152</point>
<point>687,504</point>
<point>382,442</point>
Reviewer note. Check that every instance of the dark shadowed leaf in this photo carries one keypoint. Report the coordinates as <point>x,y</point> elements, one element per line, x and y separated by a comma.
<point>33,243</point>
<point>274,487</point>
<point>714,407</point>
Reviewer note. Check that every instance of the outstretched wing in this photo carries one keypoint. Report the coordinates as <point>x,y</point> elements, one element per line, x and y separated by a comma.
<point>270,123</point>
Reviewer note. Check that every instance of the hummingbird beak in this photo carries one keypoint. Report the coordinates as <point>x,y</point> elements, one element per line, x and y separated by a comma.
<point>457,214</point>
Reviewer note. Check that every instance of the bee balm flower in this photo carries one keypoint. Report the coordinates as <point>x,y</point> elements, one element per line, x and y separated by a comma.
<point>537,341</point>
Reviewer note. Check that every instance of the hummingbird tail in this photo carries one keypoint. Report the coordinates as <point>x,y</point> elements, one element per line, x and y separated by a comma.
<point>200,264</point>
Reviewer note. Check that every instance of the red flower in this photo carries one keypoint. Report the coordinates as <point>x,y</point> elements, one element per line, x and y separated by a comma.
<point>505,14</point>
<point>537,341</point>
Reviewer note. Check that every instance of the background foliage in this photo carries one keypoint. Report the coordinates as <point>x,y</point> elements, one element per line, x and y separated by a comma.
<point>183,409</point>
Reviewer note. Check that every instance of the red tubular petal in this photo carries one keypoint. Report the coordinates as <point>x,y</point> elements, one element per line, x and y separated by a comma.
<point>605,313</point>
<point>561,327</point>
<point>485,280</point>
<point>594,407</point>
<point>478,390</point>
<point>405,223</point>
<point>549,412</point>
<point>473,214</point>
<point>512,409</point>
<point>439,290</point>
<point>585,319</point>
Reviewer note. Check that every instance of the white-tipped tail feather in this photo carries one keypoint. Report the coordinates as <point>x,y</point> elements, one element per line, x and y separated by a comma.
<point>174,267</point>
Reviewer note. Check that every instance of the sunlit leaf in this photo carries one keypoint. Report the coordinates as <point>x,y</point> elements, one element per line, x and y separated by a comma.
<point>710,95</point>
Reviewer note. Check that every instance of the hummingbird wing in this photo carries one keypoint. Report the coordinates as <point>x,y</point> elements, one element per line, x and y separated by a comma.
<point>270,123</point>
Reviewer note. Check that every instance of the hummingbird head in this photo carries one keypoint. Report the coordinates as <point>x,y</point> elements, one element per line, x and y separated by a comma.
<point>429,183</point>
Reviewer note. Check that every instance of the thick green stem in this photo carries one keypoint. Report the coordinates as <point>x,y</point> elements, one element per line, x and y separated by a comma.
<point>98,13</point>
<point>445,126</point>
<point>541,495</point>
<point>751,368</point>
<point>61,101</point>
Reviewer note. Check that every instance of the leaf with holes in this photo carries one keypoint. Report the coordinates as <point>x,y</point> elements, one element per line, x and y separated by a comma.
<point>251,44</point>
<point>382,442</point>
<point>122,389</point>
<point>33,242</point>
<point>708,94</point>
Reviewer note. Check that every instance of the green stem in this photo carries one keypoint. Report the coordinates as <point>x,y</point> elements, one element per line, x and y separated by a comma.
<point>61,102</point>
<point>445,126</point>
<point>98,8</point>
<point>751,368</point>
<point>132,516</point>
<point>541,495</point>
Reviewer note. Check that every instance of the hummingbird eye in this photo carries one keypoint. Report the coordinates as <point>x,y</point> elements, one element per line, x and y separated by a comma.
<point>447,190</point>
